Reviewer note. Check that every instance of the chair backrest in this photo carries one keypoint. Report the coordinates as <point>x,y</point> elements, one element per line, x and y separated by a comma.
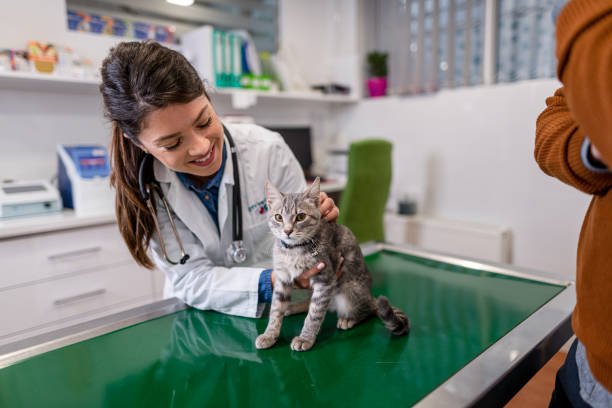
<point>362,204</point>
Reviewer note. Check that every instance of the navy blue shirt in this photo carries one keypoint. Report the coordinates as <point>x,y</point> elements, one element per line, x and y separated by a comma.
<point>209,196</point>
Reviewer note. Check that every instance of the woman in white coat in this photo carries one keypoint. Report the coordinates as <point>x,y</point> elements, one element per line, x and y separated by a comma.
<point>158,106</point>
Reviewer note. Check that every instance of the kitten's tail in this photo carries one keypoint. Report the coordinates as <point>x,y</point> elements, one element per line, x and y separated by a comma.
<point>394,319</point>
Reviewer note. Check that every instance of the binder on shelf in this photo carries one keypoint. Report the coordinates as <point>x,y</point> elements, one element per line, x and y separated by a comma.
<point>197,46</point>
<point>215,54</point>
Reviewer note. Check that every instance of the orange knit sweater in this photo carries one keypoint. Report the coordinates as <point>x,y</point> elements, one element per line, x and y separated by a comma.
<point>583,108</point>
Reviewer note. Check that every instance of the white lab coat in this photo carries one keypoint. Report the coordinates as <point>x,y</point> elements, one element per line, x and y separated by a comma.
<point>207,280</point>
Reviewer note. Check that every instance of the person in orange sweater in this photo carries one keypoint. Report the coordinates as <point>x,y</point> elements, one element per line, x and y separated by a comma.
<point>574,144</point>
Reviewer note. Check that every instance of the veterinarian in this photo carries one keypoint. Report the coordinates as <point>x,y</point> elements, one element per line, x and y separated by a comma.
<point>190,194</point>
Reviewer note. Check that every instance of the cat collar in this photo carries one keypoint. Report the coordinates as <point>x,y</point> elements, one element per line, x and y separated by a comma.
<point>311,244</point>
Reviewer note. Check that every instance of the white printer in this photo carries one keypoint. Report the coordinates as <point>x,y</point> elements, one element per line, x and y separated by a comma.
<point>20,198</point>
<point>83,179</point>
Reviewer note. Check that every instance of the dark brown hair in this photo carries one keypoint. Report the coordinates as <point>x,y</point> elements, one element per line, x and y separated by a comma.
<point>138,78</point>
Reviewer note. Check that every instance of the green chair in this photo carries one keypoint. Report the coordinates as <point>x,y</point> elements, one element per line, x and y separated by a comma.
<point>362,204</point>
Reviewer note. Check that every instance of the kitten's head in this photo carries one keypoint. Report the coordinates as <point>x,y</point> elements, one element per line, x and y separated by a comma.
<point>293,217</point>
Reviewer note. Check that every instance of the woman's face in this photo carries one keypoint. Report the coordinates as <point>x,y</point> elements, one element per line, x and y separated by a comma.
<point>186,138</point>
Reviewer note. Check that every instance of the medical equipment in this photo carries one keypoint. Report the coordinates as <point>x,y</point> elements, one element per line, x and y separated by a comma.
<point>18,198</point>
<point>83,179</point>
<point>236,252</point>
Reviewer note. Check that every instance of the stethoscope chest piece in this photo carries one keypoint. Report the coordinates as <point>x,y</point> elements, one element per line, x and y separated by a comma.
<point>236,253</point>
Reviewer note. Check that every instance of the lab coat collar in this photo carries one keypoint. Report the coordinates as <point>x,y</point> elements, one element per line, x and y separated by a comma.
<point>225,190</point>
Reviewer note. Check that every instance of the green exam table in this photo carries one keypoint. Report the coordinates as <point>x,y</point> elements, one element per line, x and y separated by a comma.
<point>479,332</point>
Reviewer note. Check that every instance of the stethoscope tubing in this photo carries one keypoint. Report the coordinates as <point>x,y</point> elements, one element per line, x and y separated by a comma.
<point>148,186</point>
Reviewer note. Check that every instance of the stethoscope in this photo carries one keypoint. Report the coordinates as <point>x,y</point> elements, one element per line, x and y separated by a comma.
<point>147,184</point>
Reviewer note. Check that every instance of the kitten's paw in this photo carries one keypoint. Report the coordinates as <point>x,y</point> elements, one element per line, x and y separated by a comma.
<point>345,324</point>
<point>265,341</point>
<point>301,344</point>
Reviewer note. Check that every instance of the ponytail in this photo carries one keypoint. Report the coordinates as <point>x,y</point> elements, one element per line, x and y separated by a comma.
<point>137,79</point>
<point>135,221</point>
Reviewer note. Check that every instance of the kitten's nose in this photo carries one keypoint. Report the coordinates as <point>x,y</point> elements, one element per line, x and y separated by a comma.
<point>288,231</point>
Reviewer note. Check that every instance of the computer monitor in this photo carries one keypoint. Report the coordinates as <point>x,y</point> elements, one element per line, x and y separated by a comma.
<point>298,138</point>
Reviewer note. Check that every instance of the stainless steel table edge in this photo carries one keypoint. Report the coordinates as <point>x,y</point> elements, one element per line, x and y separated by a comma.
<point>17,351</point>
<point>499,372</point>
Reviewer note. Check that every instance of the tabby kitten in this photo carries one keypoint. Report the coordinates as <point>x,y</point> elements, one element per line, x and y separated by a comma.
<point>303,240</point>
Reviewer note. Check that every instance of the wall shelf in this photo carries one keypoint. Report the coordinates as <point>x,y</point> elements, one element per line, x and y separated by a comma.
<point>33,82</point>
<point>249,97</point>
<point>240,98</point>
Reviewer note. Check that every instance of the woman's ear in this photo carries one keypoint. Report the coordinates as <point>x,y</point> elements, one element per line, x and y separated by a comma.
<point>135,142</point>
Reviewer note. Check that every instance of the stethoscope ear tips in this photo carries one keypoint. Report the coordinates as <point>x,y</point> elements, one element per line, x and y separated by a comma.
<point>184,259</point>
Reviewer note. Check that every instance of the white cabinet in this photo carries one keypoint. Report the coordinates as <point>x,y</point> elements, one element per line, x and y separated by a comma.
<point>56,279</point>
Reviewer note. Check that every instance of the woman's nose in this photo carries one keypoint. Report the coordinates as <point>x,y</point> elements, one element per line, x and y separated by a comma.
<point>199,145</point>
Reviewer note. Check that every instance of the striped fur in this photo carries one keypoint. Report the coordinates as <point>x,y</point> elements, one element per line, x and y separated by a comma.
<point>303,240</point>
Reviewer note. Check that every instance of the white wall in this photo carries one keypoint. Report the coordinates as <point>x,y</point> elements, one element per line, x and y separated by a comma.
<point>324,39</point>
<point>33,123</point>
<point>468,155</point>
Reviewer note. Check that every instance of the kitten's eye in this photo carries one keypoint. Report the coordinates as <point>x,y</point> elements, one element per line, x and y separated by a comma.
<point>278,217</point>
<point>300,217</point>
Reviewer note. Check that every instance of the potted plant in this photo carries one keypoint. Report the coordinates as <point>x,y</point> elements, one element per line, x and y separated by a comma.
<point>377,73</point>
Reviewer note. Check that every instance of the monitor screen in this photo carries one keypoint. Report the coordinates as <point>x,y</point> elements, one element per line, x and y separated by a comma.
<point>299,141</point>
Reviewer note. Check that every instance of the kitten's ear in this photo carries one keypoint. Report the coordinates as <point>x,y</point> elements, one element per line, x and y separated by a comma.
<point>313,192</point>
<point>272,193</point>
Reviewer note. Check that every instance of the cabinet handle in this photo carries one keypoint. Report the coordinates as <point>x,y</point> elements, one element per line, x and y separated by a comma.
<point>78,252</point>
<point>70,299</point>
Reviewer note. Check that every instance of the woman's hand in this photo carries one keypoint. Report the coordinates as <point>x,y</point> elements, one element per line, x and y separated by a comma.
<point>303,281</point>
<point>329,211</point>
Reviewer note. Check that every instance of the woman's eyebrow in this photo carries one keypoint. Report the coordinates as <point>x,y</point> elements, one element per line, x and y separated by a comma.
<point>197,119</point>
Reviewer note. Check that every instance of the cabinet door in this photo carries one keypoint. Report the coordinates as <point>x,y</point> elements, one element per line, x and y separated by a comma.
<point>47,256</point>
<point>50,304</point>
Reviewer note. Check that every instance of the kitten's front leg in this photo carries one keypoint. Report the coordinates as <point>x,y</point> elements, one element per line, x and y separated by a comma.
<point>280,302</point>
<point>319,303</point>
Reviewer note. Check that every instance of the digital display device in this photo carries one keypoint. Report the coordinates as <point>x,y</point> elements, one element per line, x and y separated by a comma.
<point>23,189</point>
<point>298,139</point>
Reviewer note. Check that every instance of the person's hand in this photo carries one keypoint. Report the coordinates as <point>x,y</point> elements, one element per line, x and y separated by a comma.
<point>303,281</point>
<point>329,211</point>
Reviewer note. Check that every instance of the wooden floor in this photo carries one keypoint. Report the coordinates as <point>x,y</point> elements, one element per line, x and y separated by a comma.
<point>536,393</point>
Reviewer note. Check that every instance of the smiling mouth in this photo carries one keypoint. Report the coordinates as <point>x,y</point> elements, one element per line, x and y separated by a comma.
<point>207,159</point>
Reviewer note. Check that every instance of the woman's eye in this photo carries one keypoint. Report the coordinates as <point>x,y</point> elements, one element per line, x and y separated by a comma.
<point>300,217</point>
<point>205,124</point>
<point>174,146</point>
<point>278,217</point>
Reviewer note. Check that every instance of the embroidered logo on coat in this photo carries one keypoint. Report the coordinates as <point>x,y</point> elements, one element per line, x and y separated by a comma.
<point>260,207</point>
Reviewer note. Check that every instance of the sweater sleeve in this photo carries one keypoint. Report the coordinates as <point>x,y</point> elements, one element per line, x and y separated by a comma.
<point>558,145</point>
<point>585,66</point>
